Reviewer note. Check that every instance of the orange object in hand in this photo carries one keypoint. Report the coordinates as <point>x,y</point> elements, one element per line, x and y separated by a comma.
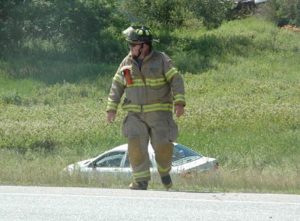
<point>128,77</point>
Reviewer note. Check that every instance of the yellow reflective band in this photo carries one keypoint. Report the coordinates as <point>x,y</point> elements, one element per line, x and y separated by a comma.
<point>137,83</point>
<point>141,174</point>
<point>155,82</point>
<point>111,105</point>
<point>148,82</point>
<point>148,107</point>
<point>179,97</point>
<point>171,73</point>
<point>118,79</point>
<point>132,107</point>
<point>163,170</point>
<point>157,107</point>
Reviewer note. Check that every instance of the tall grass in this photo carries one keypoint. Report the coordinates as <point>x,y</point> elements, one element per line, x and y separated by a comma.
<point>243,108</point>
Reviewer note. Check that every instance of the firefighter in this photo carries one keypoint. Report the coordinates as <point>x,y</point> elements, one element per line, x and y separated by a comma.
<point>152,89</point>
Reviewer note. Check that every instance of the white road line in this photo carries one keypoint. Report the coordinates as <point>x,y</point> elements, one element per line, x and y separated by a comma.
<point>151,198</point>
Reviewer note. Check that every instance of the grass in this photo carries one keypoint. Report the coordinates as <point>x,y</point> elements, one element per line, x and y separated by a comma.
<point>33,169</point>
<point>242,82</point>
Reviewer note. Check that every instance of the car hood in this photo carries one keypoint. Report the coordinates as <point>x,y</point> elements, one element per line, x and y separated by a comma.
<point>201,164</point>
<point>78,165</point>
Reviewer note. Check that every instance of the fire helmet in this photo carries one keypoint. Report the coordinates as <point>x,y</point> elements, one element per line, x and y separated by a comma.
<point>138,34</point>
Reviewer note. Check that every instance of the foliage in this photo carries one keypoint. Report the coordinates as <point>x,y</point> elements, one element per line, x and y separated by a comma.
<point>11,15</point>
<point>155,13</point>
<point>213,12</point>
<point>81,27</point>
<point>171,14</point>
<point>284,12</point>
<point>91,29</point>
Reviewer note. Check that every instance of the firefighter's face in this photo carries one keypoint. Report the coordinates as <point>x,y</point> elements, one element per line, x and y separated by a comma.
<point>136,49</point>
<point>139,50</point>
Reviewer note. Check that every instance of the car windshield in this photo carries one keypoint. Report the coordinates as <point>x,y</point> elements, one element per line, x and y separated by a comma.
<point>182,155</point>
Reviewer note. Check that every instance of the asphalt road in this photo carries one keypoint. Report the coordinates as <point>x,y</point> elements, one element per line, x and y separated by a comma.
<point>54,203</point>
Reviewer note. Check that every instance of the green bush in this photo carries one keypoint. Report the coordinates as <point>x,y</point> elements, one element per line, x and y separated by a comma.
<point>172,14</point>
<point>284,12</point>
<point>11,34</point>
<point>84,28</point>
<point>213,12</point>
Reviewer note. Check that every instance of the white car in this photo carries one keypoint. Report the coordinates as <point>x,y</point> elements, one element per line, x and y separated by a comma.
<point>116,160</point>
<point>250,1</point>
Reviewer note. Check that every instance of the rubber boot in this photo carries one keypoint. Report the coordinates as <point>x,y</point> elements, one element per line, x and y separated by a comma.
<point>167,181</point>
<point>141,185</point>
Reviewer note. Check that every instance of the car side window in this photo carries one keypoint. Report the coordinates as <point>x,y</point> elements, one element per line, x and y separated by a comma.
<point>127,163</point>
<point>112,159</point>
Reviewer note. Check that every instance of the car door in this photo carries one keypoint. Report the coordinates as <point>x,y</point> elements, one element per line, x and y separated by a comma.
<point>110,162</point>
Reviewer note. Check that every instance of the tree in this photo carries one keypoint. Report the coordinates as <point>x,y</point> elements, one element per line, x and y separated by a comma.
<point>213,12</point>
<point>284,12</point>
<point>173,13</point>
<point>84,27</point>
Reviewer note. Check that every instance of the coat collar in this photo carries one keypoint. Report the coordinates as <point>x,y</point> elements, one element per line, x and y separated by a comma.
<point>145,59</point>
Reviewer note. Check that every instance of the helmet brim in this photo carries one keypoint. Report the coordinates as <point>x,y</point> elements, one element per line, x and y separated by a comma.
<point>141,42</point>
<point>135,42</point>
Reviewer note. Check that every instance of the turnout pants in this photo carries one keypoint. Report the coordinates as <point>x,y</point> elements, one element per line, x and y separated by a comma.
<point>158,127</point>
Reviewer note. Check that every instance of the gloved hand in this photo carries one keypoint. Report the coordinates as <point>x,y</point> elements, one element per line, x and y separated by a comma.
<point>179,110</point>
